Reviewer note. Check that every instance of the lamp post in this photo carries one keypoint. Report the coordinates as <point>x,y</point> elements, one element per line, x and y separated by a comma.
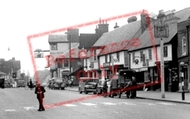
<point>161,31</point>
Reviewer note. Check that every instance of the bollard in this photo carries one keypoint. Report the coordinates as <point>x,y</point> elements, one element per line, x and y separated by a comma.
<point>183,95</point>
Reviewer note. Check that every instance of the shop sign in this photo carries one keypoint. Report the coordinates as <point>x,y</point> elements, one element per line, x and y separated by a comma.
<point>106,65</point>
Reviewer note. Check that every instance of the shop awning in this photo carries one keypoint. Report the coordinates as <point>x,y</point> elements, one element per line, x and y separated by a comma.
<point>75,71</point>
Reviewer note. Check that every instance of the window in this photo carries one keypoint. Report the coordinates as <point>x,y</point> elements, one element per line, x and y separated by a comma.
<point>165,51</point>
<point>54,46</point>
<point>118,56</point>
<point>141,55</point>
<point>106,58</point>
<point>150,53</point>
<point>66,63</point>
<point>95,55</point>
<point>133,57</point>
<point>110,58</point>
<point>184,45</point>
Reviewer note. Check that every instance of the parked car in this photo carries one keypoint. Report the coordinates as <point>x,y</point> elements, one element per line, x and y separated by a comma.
<point>88,84</point>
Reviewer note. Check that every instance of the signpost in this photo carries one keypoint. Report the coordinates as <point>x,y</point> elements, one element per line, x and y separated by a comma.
<point>161,30</point>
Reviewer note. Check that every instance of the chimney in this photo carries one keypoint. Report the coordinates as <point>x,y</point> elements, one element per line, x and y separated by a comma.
<point>132,19</point>
<point>13,58</point>
<point>73,35</point>
<point>116,26</point>
<point>96,30</point>
<point>102,28</point>
<point>143,21</point>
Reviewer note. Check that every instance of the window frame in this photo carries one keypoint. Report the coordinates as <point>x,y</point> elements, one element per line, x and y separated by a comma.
<point>184,46</point>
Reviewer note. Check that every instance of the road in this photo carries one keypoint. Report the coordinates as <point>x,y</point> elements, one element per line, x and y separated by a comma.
<point>18,103</point>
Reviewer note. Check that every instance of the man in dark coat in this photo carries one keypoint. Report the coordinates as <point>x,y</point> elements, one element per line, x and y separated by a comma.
<point>133,91</point>
<point>40,90</point>
<point>105,87</point>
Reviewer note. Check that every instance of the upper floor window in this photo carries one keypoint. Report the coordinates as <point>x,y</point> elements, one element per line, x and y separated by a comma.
<point>184,45</point>
<point>141,55</point>
<point>133,57</point>
<point>54,46</point>
<point>165,51</point>
<point>110,57</point>
<point>118,56</point>
<point>95,55</point>
<point>66,63</point>
<point>106,58</point>
<point>150,53</point>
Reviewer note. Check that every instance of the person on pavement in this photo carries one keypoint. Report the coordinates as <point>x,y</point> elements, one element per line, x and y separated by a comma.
<point>31,84</point>
<point>133,91</point>
<point>39,91</point>
<point>105,87</point>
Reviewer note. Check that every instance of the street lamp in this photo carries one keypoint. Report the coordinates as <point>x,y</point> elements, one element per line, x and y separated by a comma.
<point>161,31</point>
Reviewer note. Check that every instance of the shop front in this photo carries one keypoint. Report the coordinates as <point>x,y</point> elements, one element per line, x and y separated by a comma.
<point>184,71</point>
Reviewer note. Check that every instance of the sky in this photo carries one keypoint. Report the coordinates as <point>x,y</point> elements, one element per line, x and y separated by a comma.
<point>22,18</point>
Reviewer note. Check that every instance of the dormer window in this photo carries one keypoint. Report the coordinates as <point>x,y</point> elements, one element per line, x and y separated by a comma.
<point>184,46</point>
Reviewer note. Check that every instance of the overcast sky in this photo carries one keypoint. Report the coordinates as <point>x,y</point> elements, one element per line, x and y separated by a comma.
<point>21,18</point>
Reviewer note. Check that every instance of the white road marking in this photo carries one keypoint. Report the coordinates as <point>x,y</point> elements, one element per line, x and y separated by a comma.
<point>109,103</point>
<point>70,105</point>
<point>88,104</point>
<point>29,108</point>
<point>10,110</point>
<point>151,104</point>
<point>164,103</point>
<point>126,103</point>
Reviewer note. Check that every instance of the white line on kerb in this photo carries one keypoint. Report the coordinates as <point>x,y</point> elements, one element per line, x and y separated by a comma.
<point>10,110</point>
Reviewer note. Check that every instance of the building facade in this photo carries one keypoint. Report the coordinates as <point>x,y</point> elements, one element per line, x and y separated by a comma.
<point>184,49</point>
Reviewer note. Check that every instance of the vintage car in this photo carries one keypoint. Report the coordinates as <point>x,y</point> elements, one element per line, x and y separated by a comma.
<point>88,84</point>
<point>57,83</point>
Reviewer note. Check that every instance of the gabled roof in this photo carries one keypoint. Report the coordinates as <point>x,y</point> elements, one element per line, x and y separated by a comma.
<point>87,40</point>
<point>147,41</point>
<point>183,14</point>
<point>57,38</point>
<point>118,35</point>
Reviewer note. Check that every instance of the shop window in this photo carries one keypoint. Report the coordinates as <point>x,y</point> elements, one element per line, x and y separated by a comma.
<point>54,46</point>
<point>184,45</point>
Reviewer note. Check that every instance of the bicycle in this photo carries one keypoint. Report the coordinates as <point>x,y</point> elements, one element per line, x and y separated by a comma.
<point>27,87</point>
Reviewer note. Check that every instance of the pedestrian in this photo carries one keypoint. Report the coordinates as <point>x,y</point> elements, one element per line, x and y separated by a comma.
<point>39,91</point>
<point>105,87</point>
<point>71,83</point>
<point>133,91</point>
<point>31,84</point>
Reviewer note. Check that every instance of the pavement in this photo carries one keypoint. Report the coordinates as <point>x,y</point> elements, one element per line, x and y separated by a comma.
<point>175,97</point>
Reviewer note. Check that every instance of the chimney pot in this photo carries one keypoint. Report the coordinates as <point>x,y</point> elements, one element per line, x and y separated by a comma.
<point>116,26</point>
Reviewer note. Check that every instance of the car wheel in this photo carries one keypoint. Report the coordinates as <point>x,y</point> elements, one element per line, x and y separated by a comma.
<point>85,91</point>
<point>119,94</point>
